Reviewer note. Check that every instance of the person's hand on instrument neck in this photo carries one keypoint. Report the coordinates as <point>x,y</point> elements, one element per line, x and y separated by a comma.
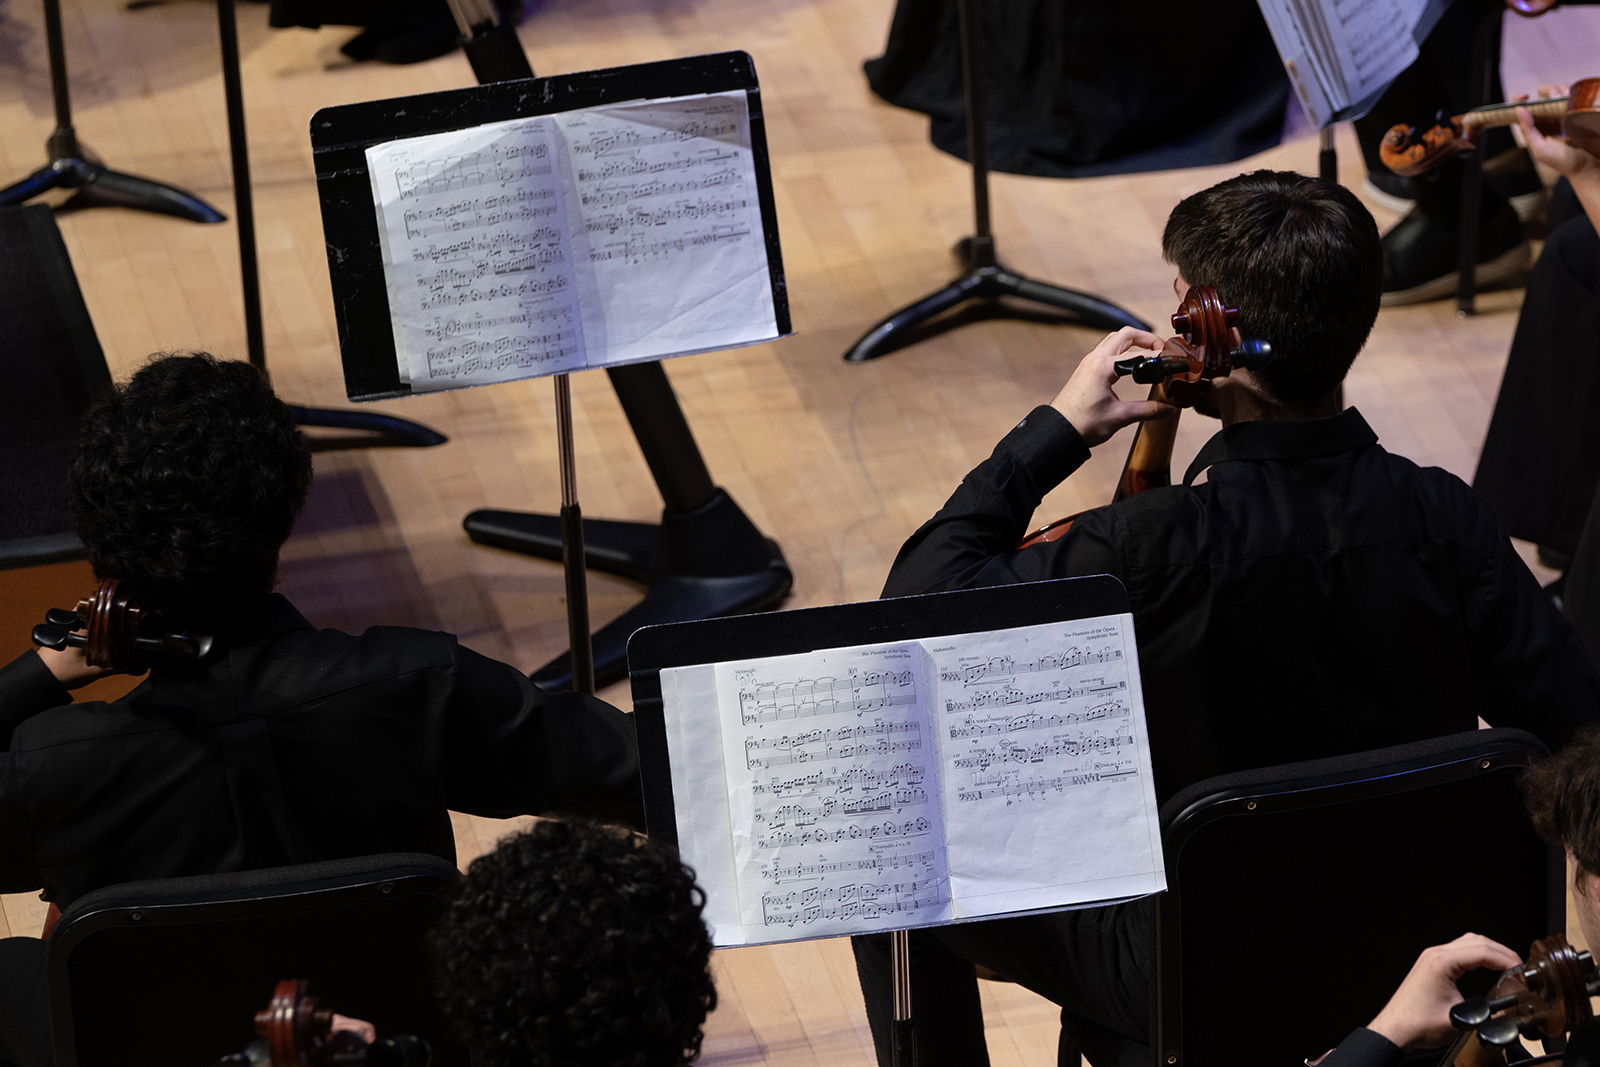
<point>70,667</point>
<point>1089,399</point>
<point>1581,168</point>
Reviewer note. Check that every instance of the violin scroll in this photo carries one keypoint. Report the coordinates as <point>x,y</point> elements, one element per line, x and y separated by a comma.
<point>1202,351</point>
<point>117,633</point>
<point>1541,999</point>
<point>297,1031</point>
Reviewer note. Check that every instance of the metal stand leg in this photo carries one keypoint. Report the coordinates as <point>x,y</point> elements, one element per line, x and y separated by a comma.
<point>982,278</point>
<point>572,555</point>
<point>1328,157</point>
<point>902,1038</point>
<point>391,430</point>
<point>706,558</point>
<point>97,185</point>
<point>1485,52</point>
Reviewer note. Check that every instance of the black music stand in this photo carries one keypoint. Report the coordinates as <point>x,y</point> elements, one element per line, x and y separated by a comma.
<point>806,630</point>
<point>706,558</point>
<point>982,277</point>
<point>97,185</point>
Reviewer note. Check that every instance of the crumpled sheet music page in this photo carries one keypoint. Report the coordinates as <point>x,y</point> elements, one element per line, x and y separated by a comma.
<point>477,255</point>
<point>583,239</point>
<point>676,257</point>
<point>1046,766</point>
<point>1342,54</point>
<point>883,787</point>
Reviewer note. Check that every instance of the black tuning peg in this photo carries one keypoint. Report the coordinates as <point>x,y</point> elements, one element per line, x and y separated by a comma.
<point>53,636</point>
<point>1499,1031</point>
<point>1148,370</point>
<point>1252,355</point>
<point>1470,1013</point>
<point>63,617</point>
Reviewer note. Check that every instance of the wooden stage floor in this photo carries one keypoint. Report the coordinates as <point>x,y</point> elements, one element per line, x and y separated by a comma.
<point>838,462</point>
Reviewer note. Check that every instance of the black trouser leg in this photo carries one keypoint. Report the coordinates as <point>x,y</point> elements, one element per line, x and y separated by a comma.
<point>1094,962</point>
<point>944,1001</point>
<point>24,1003</point>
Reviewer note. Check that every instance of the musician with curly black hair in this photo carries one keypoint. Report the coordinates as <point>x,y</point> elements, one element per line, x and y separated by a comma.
<point>283,743</point>
<point>571,945</point>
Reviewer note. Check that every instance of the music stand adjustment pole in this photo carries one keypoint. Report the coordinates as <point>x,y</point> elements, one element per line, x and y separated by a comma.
<point>572,554</point>
<point>903,1039</point>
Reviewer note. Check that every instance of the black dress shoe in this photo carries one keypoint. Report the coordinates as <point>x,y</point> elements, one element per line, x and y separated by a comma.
<point>1421,256</point>
<point>418,43</point>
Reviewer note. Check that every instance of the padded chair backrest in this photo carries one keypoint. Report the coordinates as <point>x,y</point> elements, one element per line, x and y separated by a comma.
<point>172,972</point>
<point>51,366</point>
<point>1299,896</point>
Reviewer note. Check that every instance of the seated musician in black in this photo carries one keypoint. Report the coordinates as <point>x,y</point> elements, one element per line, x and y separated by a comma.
<point>1540,466</point>
<point>285,744</point>
<point>1314,595</point>
<point>1563,796</point>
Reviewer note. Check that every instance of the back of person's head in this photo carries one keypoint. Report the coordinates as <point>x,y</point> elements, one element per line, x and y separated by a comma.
<point>1299,257</point>
<point>575,945</point>
<point>1563,797</point>
<point>187,482</point>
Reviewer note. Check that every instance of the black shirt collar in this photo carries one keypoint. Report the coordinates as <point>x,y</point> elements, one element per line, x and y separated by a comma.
<point>1284,441</point>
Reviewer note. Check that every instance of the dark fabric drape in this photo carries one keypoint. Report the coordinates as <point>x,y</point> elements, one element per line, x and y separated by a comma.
<point>370,13</point>
<point>1069,94</point>
<point>1541,459</point>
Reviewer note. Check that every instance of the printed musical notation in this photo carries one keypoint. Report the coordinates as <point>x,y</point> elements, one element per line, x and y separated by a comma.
<point>828,744</point>
<point>866,806</point>
<point>672,222</point>
<point>1086,682</point>
<point>476,221</point>
<point>990,725</point>
<point>877,861</point>
<point>805,697</point>
<point>642,220</point>
<point>851,901</point>
<point>1009,667</point>
<point>870,779</point>
<point>893,785</point>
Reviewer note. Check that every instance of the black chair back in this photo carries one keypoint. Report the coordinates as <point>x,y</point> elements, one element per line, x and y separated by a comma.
<point>51,366</point>
<point>172,972</point>
<point>1299,896</point>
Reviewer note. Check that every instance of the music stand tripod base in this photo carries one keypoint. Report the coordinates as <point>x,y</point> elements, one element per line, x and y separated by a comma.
<point>393,429</point>
<point>985,279</point>
<point>698,564</point>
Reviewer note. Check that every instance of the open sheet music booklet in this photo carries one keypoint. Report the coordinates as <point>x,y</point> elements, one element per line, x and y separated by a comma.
<point>881,787</point>
<point>1342,54</point>
<point>581,239</point>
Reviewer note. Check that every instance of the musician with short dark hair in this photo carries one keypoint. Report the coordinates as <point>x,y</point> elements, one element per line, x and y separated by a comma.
<point>1312,595</point>
<point>283,744</point>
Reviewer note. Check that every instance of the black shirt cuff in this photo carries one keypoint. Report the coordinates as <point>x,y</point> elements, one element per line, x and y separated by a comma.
<point>26,688</point>
<point>1365,1048</point>
<point>1047,445</point>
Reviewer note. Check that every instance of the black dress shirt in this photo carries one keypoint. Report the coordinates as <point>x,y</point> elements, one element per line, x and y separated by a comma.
<point>1315,596</point>
<point>290,745</point>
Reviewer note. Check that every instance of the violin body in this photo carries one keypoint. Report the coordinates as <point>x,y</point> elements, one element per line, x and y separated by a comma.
<point>1187,363</point>
<point>1575,116</point>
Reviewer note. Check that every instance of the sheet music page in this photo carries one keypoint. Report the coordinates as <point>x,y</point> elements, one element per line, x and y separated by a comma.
<point>700,795</point>
<point>477,254</point>
<point>1340,53</point>
<point>831,792</point>
<point>1045,761</point>
<point>671,235</point>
